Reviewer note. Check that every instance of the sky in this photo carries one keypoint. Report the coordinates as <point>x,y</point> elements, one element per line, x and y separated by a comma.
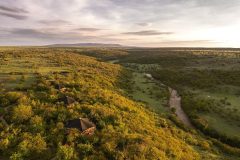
<point>146,23</point>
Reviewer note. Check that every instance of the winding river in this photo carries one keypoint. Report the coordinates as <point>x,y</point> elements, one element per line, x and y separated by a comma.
<point>175,102</point>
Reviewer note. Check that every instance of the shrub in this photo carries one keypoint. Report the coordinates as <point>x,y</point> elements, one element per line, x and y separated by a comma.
<point>16,156</point>
<point>65,152</point>
<point>32,145</point>
<point>36,123</point>
<point>85,149</point>
<point>22,113</point>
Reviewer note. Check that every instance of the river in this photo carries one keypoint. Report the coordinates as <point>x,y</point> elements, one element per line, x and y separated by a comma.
<point>175,102</point>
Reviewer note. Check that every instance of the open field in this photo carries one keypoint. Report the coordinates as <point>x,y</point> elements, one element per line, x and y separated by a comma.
<point>146,90</point>
<point>224,117</point>
<point>20,69</point>
<point>223,126</point>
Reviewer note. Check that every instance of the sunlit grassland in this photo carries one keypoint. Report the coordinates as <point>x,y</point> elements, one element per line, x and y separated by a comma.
<point>17,71</point>
<point>148,91</point>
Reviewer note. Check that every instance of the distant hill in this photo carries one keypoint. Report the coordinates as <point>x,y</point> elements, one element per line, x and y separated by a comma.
<point>86,45</point>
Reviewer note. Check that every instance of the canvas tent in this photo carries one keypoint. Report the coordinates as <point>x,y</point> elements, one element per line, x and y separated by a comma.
<point>67,100</point>
<point>60,87</point>
<point>82,124</point>
<point>64,73</point>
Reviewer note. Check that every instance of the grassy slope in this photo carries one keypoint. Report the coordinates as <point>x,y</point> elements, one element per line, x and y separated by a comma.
<point>125,128</point>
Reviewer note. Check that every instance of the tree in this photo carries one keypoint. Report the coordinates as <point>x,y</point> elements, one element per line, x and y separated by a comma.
<point>37,123</point>
<point>22,113</point>
<point>32,145</point>
<point>13,96</point>
<point>16,156</point>
<point>85,149</point>
<point>4,143</point>
<point>65,152</point>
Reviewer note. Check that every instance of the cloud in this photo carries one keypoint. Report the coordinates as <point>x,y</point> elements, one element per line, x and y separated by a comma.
<point>120,21</point>
<point>105,10</point>
<point>12,12</point>
<point>190,41</point>
<point>30,33</point>
<point>15,16</point>
<point>89,29</point>
<point>144,24</point>
<point>22,31</point>
<point>12,9</point>
<point>147,33</point>
<point>182,43</point>
<point>54,22</point>
<point>187,43</point>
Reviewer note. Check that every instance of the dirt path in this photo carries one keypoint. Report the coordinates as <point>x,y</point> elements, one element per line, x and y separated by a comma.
<point>175,102</point>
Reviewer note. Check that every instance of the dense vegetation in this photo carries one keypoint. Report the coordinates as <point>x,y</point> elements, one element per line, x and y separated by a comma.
<point>208,81</point>
<point>33,116</point>
<point>102,53</point>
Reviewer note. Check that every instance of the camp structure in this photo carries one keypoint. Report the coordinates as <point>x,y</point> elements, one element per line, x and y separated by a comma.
<point>67,100</point>
<point>65,73</point>
<point>84,125</point>
<point>60,87</point>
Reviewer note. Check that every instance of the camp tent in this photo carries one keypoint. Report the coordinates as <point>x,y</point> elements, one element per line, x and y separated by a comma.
<point>65,73</point>
<point>67,100</point>
<point>60,87</point>
<point>82,124</point>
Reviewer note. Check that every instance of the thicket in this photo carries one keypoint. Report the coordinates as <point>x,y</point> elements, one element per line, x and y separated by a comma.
<point>197,79</point>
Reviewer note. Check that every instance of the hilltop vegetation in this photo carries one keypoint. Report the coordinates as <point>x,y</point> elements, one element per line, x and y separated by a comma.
<point>33,116</point>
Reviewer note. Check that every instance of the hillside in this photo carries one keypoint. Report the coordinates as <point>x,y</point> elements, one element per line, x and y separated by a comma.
<point>33,116</point>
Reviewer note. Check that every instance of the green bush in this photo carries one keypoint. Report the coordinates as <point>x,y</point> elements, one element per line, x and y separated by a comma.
<point>22,113</point>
